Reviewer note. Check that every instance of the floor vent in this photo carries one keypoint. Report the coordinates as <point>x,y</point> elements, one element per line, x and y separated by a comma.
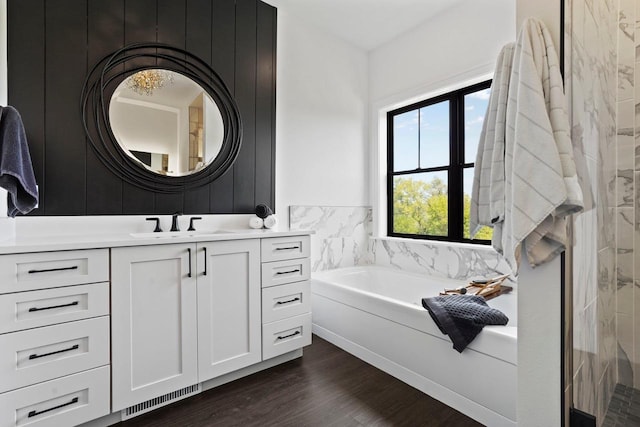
<point>151,404</point>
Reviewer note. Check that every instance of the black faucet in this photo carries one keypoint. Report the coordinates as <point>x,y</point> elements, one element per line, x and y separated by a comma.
<point>174,221</point>
<point>191,227</point>
<point>157,220</point>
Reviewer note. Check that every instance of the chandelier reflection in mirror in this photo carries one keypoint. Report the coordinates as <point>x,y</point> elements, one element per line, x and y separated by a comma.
<point>146,81</point>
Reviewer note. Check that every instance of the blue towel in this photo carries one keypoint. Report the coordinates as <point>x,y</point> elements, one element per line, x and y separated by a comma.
<point>462,317</point>
<point>16,171</point>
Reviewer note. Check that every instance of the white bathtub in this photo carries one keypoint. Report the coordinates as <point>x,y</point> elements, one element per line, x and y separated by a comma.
<point>376,314</point>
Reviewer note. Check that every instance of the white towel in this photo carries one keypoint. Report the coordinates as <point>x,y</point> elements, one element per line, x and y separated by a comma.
<point>487,195</point>
<point>540,187</point>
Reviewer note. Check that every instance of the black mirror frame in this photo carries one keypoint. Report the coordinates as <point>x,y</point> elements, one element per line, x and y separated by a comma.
<point>110,71</point>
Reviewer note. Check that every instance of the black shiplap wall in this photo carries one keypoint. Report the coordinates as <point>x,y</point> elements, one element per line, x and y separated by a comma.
<point>52,45</point>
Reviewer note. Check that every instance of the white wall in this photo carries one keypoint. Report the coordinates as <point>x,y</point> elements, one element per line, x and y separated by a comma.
<point>321,123</point>
<point>461,40</point>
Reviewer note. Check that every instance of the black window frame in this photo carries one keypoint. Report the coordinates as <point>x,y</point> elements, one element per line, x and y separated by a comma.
<point>455,169</point>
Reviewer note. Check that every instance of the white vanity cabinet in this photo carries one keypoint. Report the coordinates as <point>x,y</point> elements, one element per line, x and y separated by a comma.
<point>110,330</point>
<point>228,307</point>
<point>153,318</point>
<point>286,308</point>
<point>54,337</point>
<point>182,314</point>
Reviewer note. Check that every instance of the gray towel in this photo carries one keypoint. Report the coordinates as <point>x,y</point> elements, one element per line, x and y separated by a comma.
<point>16,171</point>
<point>462,317</point>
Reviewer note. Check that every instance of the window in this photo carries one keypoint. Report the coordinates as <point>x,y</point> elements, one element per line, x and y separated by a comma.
<point>431,151</point>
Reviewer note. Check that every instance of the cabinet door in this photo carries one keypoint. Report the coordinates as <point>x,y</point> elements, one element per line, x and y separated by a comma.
<point>153,318</point>
<point>228,307</point>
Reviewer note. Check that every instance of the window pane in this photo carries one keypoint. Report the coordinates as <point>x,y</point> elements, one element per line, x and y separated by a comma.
<point>475,107</point>
<point>405,141</point>
<point>420,204</point>
<point>485,232</point>
<point>434,135</point>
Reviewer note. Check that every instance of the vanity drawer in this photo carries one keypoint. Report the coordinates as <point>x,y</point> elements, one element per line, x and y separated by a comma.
<point>281,248</point>
<point>285,335</point>
<point>26,310</point>
<point>41,270</point>
<point>67,401</point>
<point>280,302</point>
<point>281,272</point>
<point>41,354</point>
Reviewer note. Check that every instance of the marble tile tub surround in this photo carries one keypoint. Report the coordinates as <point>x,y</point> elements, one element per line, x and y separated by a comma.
<point>341,236</point>
<point>343,239</point>
<point>442,259</point>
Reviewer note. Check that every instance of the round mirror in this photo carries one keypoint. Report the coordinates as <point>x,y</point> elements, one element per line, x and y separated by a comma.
<point>166,122</point>
<point>164,128</point>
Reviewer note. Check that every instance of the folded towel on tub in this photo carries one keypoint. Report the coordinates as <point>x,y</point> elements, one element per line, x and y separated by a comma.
<point>462,317</point>
<point>16,171</point>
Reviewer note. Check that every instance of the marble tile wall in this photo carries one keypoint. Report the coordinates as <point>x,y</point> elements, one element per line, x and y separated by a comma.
<point>342,239</point>
<point>440,259</point>
<point>627,194</point>
<point>341,236</point>
<point>600,81</point>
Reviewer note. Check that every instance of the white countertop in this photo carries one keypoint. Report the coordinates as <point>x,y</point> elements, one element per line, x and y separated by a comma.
<point>88,241</point>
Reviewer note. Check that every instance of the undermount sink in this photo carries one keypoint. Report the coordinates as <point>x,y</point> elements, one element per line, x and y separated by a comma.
<point>170,234</point>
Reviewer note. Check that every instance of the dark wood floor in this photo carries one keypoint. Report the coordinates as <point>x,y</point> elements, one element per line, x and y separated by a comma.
<point>326,387</point>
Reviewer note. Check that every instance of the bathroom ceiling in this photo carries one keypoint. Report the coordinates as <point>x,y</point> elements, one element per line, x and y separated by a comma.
<point>365,23</point>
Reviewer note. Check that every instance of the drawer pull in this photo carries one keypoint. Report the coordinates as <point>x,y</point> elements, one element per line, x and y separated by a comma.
<point>288,301</point>
<point>288,336</point>
<point>189,250</point>
<point>32,309</point>
<point>205,259</point>
<point>297,270</point>
<point>288,248</point>
<point>37,356</point>
<point>35,413</point>
<point>48,270</point>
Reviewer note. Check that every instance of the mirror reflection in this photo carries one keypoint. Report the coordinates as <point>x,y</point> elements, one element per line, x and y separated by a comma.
<point>166,122</point>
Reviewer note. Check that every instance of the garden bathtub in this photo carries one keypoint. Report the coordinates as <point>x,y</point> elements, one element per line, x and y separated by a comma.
<point>376,314</point>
